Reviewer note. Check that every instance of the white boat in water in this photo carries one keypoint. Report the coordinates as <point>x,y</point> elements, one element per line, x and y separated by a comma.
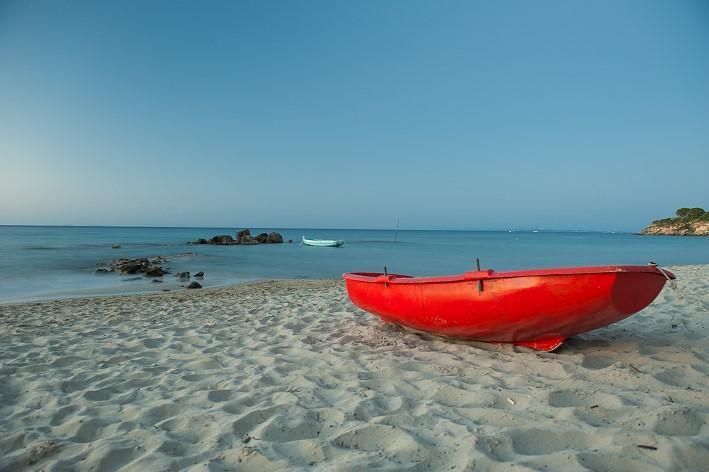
<point>323,242</point>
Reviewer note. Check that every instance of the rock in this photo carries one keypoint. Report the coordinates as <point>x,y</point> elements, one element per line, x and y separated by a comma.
<point>182,275</point>
<point>248,240</point>
<point>142,265</point>
<point>222,239</point>
<point>157,281</point>
<point>116,246</point>
<point>131,268</point>
<point>199,274</point>
<point>131,279</point>
<point>241,234</point>
<point>691,228</point>
<point>290,241</point>
<point>242,237</point>
<point>194,285</point>
<point>275,238</point>
<point>153,271</point>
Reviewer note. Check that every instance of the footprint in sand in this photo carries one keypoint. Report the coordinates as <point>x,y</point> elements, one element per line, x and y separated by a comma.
<point>597,362</point>
<point>573,398</point>
<point>376,437</point>
<point>280,429</point>
<point>252,419</point>
<point>534,442</point>
<point>684,422</point>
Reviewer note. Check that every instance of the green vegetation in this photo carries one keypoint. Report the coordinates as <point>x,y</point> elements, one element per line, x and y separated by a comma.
<point>685,215</point>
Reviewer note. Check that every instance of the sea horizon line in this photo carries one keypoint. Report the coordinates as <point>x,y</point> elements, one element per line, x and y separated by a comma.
<point>461,230</point>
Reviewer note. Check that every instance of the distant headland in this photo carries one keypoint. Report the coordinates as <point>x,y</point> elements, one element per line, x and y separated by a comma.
<point>689,222</point>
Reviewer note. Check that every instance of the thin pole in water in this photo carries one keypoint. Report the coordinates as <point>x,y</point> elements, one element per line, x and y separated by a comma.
<point>396,234</point>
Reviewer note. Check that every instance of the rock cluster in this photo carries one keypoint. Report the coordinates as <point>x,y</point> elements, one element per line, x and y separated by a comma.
<point>243,238</point>
<point>143,265</point>
<point>148,267</point>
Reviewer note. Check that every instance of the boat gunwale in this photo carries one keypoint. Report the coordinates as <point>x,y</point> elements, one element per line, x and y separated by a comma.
<point>377,277</point>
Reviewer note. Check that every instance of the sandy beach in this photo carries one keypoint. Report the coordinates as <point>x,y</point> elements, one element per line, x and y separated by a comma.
<point>288,374</point>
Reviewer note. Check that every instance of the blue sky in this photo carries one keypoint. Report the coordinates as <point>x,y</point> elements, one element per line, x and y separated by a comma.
<point>455,115</point>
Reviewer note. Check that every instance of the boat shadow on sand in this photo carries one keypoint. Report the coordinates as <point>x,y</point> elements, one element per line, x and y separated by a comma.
<point>610,339</point>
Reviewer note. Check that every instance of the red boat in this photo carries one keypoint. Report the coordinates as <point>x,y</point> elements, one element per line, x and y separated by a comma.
<point>533,308</point>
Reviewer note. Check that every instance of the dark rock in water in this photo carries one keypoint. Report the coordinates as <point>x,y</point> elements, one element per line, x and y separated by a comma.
<point>194,285</point>
<point>182,275</point>
<point>248,240</point>
<point>199,274</point>
<point>241,234</point>
<point>142,265</point>
<point>290,240</point>
<point>157,281</point>
<point>275,238</point>
<point>131,279</point>
<point>166,290</point>
<point>116,246</point>
<point>152,271</point>
<point>222,239</point>
<point>131,268</point>
<point>242,237</point>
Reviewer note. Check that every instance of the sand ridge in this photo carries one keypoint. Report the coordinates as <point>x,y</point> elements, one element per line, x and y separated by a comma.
<point>288,375</point>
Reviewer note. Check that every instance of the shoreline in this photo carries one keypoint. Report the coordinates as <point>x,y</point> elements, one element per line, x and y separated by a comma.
<point>288,374</point>
<point>177,288</point>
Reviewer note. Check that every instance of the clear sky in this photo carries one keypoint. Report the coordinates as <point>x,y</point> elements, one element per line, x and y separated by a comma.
<point>457,115</point>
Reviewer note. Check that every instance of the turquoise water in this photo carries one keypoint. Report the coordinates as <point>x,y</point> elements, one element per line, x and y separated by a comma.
<point>53,262</point>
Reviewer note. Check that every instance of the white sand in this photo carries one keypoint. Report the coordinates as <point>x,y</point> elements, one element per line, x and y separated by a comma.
<point>288,374</point>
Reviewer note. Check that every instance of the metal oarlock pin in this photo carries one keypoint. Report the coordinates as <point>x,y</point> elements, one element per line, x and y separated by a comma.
<point>480,282</point>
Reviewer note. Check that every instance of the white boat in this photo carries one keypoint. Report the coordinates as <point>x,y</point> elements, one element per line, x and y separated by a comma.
<point>323,242</point>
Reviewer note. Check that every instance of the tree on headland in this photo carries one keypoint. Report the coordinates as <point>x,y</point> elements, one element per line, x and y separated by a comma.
<point>682,212</point>
<point>691,214</point>
<point>685,215</point>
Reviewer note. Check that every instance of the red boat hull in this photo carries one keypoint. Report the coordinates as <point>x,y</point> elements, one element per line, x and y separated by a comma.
<point>537,309</point>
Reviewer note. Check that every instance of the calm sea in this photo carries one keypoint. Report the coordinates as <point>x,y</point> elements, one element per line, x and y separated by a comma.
<point>53,262</point>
